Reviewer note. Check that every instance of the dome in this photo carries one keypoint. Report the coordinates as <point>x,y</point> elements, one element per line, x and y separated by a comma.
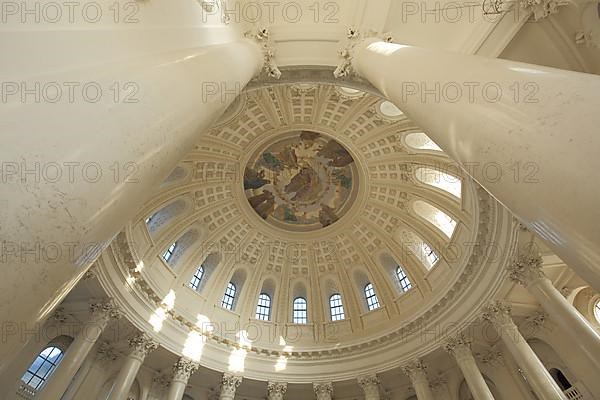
<point>311,226</point>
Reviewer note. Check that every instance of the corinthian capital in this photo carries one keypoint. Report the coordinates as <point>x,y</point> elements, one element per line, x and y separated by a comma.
<point>324,391</point>
<point>526,270</point>
<point>416,370</point>
<point>498,314</point>
<point>276,390</point>
<point>142,345</point>
<point>229,384</point>
<point>104,310</point>
<point>183,369</point>
<point>459,347</point>
<point>346,54</point>
<point>370,385</point>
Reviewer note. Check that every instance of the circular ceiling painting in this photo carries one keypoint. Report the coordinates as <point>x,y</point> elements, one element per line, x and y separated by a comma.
<point>304,181</point>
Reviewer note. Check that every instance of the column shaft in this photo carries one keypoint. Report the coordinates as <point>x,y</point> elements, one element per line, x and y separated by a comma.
<point>127,149</point>
<point>538,377</point>
<point>460,349</point>
<point>583,334</point>
<point>77,352</point>
<point>176,390</point>
<point>505,122</point>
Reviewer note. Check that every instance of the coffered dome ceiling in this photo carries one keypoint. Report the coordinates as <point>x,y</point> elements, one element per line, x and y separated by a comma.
<point>305,191</point>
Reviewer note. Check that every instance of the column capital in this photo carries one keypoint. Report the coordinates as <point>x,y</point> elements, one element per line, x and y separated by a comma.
<point>104,310</point>
<point>141,345</point>
<point>416,370</point>
<point>459,347</point>
<point>183,369</point>
<point>498,313</point>
<point>262,37</point>
<point>276,390</point>
<point>323,390</point>
<point>526,270</point>
<point>369,385</point>
<point>229,384</point>
<point>346,54</point>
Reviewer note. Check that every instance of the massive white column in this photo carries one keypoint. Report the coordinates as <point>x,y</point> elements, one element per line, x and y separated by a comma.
<point>76,169</point>
<point>229,384</point>
<point>102,313</point>
<point>528,272</point>
<point>276,390</point>
<point>182,370</point>
<point>460,349</point>
<point>323,390</point>
<point>538,377</point>
<point>417,373</point>
<point>528,134</point>
<point>370,386</point>
<point>141,345</point>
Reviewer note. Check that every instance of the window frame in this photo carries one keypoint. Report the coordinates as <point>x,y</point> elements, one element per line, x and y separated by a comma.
<point>169,252</point>
<point>371,297</point>
<point>196,280</point>
<point>263,307</point>
<point>403,279</point>
<point>45,360</point>
<point>300,314</point>
<point>336,307</point>
<point>228,301</point>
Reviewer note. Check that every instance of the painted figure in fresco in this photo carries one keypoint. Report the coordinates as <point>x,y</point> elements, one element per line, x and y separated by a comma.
<point>327,215</point>
<point>338,155</point>
<point>288,157</point>
<point>263,204</point>
<point>253,179</point>
<point>309,138</point>
<point>306,184</point>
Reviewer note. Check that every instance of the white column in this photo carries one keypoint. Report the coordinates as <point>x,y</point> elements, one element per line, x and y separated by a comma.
<point>229,384</point>
<point>182,370</point>
<point>538,377</point>
<point>528,272</point>
<point>370,386</point>
<point>417,372</point>
<point>141,345</point>
<point>460,349</point>
<point>73,172</point>
<point>323,390</point>
<point>77,352</point>
<point>534,125</point>
<point>276,390</point>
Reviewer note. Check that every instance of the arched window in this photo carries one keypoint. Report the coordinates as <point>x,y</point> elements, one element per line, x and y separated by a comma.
<point>336,307</point>
<point>42,367</point>
<point>597,311</point>
<point>197,278</point>
<point>403,280</point>
<point>263,308</point>
<point>169,252</point>
<point>560,379</point>
<point>229,296</point>
<point>371,296</point>
<point>430,255</point>
<point>300,315</point>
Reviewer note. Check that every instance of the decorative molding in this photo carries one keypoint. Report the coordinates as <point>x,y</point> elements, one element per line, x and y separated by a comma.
<point>492,358</point>
<point>183,369</point>
<point>526,270</point>
<point>566,292</point>
<point>437,383</point>
<point>262,37</point>
<point>540,9</point>
<point>59,315</point>
<point>459,347</point>
<point>323,391</point>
